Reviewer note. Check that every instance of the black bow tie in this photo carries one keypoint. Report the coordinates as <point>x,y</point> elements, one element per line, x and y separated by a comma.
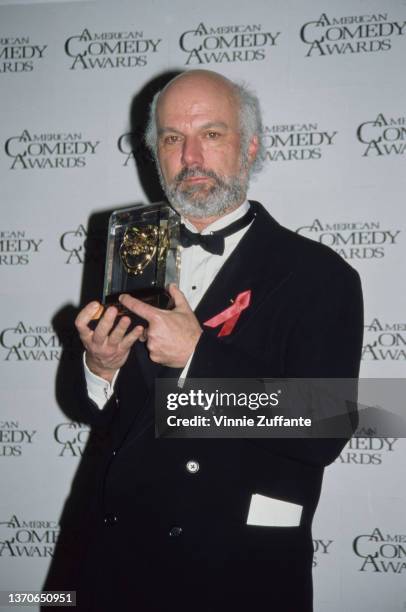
<point>214,242</point>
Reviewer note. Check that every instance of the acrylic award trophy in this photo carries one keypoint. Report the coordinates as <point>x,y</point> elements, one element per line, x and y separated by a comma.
<point>143,255</point>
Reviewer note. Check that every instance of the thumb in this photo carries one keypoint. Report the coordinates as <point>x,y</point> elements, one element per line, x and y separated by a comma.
<point>178,297</point>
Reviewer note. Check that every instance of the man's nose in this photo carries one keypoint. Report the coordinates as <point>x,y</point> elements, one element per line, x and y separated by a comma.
<point>192,153</point>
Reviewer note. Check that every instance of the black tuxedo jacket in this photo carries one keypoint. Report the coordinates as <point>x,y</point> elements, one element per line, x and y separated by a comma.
<point>157,537</point>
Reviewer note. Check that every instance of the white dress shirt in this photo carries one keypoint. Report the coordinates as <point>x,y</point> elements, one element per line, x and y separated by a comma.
<point>198,269</point>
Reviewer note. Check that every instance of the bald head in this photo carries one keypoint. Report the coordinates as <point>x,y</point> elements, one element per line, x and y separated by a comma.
<point>208,75</point>
<point>196,83</point>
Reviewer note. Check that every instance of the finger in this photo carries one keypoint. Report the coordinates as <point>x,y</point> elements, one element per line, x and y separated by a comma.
<point>98,313</point>
<point>178,297</point>
<point>119,331</point>
<point>105,325</point>
<point>132,337</point>
<point>85,315</point>
<point>83,319</point>
<point>146,311</point>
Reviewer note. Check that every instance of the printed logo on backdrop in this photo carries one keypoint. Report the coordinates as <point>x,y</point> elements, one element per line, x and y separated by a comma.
<point>384,341</point>
<point>342,35</point>
<point>79,246</point>
<point>20,54</point>
<point>49,150</point>
<point>31,538</point>
<point>208,44</point>
<point>381,552</point>
<point>296,142</point>
<point>367,451</point>
<point>25,342</point>
<point>71,438</point>
<point>383,136</point>
<point>15,439</point>
<point>17,248</point>
<point>355,239</point>
<point>90,50</point>
<point>321,549</point>
<point>131,146</point>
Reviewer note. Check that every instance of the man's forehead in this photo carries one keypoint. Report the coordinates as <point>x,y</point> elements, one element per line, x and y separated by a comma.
<point>196,85</point>
<point>216,105</point>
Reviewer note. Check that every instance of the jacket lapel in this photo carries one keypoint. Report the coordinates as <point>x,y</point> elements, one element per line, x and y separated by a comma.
<point>258,264</point>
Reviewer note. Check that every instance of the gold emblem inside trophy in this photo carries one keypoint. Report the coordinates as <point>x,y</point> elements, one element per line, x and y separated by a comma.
<point>143,255</point>
<point>140,245</point>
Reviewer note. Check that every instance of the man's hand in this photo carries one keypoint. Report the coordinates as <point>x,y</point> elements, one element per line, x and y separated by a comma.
<point>107,349</point>
<point>171,335</point>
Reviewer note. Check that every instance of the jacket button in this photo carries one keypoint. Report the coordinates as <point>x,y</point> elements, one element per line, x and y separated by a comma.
<point>192,466</point>
<point>175,532</point>
<point>110,519</point>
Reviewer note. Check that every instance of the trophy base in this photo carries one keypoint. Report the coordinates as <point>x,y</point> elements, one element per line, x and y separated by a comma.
<point>157,297</point>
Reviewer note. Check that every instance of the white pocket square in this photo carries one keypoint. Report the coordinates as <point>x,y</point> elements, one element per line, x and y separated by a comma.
<point>269,512</point>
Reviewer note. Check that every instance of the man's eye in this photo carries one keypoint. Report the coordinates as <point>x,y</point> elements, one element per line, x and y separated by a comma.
<point>172,139</point>
<point>212,135</point>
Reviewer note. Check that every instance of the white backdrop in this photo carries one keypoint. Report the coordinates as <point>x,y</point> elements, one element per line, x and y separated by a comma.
<point>331,80</point>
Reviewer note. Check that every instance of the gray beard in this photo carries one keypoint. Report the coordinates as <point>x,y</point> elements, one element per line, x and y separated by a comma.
<point>199,201</point>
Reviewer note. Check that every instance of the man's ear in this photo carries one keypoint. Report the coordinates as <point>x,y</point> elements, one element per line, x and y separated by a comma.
<point>253,148</point>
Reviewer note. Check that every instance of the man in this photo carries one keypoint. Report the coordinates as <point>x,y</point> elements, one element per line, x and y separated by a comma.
<point>168,528</point>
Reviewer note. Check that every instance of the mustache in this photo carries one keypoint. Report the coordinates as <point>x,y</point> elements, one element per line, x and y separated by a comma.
<point>197,172</point>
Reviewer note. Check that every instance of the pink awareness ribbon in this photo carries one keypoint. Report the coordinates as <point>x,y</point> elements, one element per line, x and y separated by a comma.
<point>230,315</point>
